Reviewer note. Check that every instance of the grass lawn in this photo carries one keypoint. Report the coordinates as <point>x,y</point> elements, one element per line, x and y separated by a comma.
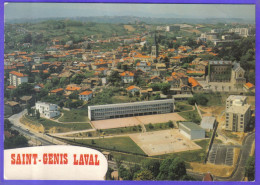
<point>123,130</point>
<point>74,115</point>
<point>216,99</point>
<point>157,126</point>
<point>125,144</point>
<point>191,156</point>
<point>191,116</point>
<point>183,106</point>
<point>123,99</point>
<point>229,134</point>
<point>57,127</point>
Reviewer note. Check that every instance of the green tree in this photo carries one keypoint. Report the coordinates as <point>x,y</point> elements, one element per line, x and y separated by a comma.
<point>172,169</point>
<point>37,114</point>
<point>124,173</point>
<point>165,88</point>
<point>170,124</point>
<point>78,78</point>
<point>151,165</point>
<point>114,78</point>
<point>250,168</point>
<point>7,125</point>
<point>144,175</point>
<point>29,109</point>
<point>17,141</point>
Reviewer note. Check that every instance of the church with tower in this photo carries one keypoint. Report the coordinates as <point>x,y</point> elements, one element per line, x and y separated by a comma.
<point>154,52</point>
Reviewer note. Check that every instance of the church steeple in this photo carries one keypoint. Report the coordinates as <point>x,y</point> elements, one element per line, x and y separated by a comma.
<point>154,52</point>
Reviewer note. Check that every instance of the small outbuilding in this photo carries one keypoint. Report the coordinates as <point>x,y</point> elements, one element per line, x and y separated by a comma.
<point>208,122</point>
<point>191,130</point>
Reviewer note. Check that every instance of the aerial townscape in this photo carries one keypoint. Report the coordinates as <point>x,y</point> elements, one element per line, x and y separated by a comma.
<point>161,100</point>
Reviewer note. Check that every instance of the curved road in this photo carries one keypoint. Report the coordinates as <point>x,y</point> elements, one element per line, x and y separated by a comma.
<point>239,172</point>
<point>44,139</point>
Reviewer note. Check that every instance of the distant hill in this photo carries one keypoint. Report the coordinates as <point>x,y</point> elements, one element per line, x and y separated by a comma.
<point>132,19</point>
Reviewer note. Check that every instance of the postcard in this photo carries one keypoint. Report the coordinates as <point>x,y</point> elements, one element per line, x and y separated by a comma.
<point>129,92</point>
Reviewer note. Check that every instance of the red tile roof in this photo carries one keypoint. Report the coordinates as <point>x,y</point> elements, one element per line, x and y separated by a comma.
<point>132,87</point>
<point>18,74</point>
<point>86,93</point>
<point>127,73</point>
<point>10,87</point>
<point>56,90</point>
<point>249,85</point>
<point>71,88</point>
<point>193,82</point>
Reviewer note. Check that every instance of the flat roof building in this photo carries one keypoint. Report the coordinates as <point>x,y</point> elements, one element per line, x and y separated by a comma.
<point>235,100</point>
<point>208,122</point>
<point>237,117</point>
<point>191,130</point>
<point>110,111</point>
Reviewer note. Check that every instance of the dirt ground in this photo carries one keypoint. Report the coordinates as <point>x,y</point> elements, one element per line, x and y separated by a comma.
<point>129,28</point>
<point>138,120</point>
<point>217,170</point>
<point>163,142</point>
<point>212,111</point>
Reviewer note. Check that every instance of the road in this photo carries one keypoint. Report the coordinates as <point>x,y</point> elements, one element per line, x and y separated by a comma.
<point>239,171</point>
<point>237,175</point>
<point>44,139</point>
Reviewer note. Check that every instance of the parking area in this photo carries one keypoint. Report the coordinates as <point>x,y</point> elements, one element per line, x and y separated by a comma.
<point>138,120</point>
<point>221,155</point>
<point>163,142</point>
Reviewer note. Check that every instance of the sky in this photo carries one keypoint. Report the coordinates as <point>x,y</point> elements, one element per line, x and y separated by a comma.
<point>47,10</point>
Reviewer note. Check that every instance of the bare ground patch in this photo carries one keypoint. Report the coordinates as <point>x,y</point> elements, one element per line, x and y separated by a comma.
<point>138,120</point>
<point>163,142</point>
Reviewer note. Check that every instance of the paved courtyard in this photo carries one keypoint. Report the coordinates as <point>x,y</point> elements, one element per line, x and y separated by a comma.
<point>138,120</point>
<point>163,142</point>
<point>221,154</point>
<point>220,86</point>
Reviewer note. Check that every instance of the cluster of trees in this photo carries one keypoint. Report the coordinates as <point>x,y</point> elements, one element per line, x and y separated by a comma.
<point>199,99</point>
<point>164,87</point>
<point>15,140</point>
<point>114,78</point>
<point>250,168</point>
<point>104,97</point>
<point>168,169</point>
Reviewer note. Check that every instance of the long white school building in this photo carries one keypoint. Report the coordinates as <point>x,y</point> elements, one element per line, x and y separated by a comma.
<point>100,112</point>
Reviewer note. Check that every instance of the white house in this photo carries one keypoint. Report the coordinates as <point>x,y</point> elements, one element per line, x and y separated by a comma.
<point>127,77</point>
<point>47,110</point>
<point>133,89</point>
<point>86,95</point>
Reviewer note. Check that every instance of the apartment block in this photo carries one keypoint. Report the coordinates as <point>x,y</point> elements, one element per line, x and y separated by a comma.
<point>17,78</point>
<point>234,99</point>
<point>238,113</point>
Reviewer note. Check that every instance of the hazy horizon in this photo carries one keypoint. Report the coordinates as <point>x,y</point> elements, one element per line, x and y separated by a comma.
<point>70,10</point>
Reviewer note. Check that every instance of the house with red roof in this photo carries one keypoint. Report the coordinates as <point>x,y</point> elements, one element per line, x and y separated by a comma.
<point>133,89</point>
<point>86,95</point>
<point>249,87</point>
<point>72,88</point>
<point>195,85</point>
<point>58,91</point>
<point>17,78</point>
<point>144,66</point>
<point>127,77</point>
